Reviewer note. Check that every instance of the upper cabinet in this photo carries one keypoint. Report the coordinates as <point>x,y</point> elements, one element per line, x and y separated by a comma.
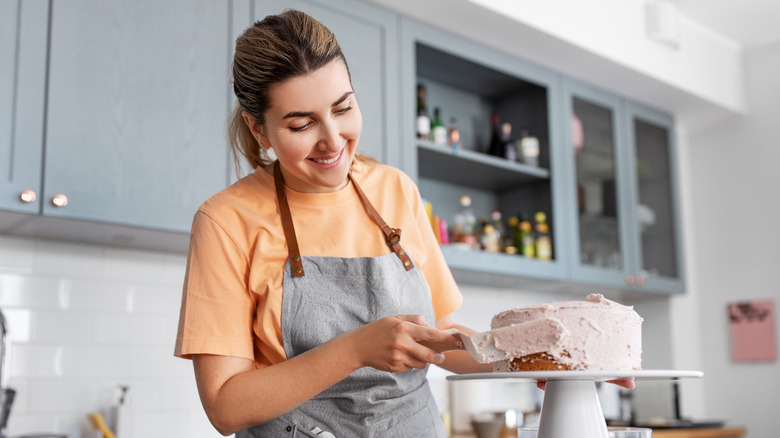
<point>117,110</point>
<point>23,45</point>
<point>623,207</point>
<point>466,84</point>
<point>656,240</point>
<point>136,109</point>
<point>368,37</point>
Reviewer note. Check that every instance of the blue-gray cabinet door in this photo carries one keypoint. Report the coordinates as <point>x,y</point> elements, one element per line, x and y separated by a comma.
<point>598,219</point>
<point>137,103</point>
<point>368,37</point>
<point>655,236</point>
<point>23,39</point>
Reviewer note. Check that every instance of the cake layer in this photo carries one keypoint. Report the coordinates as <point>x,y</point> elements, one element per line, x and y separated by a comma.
<point>600,334</point>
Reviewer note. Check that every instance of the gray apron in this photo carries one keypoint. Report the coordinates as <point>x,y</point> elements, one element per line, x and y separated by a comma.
<point>340,294</point>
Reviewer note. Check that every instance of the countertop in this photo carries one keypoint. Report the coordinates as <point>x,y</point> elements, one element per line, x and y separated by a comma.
<point>730,432</point>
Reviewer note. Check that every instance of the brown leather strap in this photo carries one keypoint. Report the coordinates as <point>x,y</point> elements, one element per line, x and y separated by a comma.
<point>392,235</point>
<point>287,223</point>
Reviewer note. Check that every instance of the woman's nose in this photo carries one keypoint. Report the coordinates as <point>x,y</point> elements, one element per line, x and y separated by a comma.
<point>330,137</point>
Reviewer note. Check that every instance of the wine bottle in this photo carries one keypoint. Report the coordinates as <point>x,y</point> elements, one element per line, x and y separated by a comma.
<point>438,130</point>
<point>495,147</point>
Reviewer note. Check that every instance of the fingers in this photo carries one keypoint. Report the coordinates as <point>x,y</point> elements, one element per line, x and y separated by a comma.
<point>625,382</point>
<point>413,343</point>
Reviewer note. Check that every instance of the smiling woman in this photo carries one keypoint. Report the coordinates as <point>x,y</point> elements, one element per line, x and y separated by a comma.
<point>304,312</point>
<point>313,131</point>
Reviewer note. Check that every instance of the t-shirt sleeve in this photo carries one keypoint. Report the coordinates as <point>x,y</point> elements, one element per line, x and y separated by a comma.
<point>445,294</point>
<point>216,311</point>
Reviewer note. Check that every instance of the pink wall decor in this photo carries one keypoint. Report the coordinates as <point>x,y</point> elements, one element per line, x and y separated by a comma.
<point>753,337</point>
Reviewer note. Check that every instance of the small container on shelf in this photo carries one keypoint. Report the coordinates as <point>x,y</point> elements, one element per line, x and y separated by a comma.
<point>529,148</point>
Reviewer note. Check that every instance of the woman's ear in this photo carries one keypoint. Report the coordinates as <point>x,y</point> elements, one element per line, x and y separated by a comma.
<point>257,130</point>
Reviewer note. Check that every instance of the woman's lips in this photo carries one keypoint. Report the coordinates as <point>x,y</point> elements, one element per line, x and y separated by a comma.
<point>328,162</point>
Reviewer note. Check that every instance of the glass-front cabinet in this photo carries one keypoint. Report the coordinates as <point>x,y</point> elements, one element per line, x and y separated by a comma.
<point>622,203</point>
<point>656,241</point>
<point>593,154</point>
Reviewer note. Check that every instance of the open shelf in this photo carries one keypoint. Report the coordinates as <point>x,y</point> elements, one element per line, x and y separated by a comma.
<point>474,169</point>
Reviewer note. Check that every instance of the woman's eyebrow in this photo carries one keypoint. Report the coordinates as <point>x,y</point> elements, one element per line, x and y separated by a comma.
<point>293,114</point>
<point>342,98</point>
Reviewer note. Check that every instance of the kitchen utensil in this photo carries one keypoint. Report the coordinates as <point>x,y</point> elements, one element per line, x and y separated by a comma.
<point>97,421</point>
<point>487,425</point>
<point>499,344</point>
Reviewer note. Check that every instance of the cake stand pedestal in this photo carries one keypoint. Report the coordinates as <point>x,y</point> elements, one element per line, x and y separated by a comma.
<point>571,406</point>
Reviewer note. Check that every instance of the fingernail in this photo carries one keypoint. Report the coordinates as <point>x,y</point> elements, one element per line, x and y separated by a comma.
<point>459,344</point>
<point>439,358</point>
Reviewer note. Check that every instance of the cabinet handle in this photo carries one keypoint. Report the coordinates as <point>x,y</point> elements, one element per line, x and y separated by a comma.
<point>630,279</point>
<point>59,200</point>
<point>28,196</point>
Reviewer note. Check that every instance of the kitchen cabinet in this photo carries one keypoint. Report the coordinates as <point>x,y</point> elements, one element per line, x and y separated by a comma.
<point>368,37</point>
<point>137,103</point>
<point>131,113</point>
<point>622,200</point>
<point>23,46</point>
<point>468,82</point>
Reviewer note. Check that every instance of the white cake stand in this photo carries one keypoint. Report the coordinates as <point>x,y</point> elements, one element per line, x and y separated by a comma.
<point>571,405</point>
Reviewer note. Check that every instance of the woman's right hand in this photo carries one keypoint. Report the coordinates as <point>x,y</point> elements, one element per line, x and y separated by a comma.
<point>394,343</point>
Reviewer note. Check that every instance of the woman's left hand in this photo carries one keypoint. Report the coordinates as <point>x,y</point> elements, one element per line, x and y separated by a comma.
<point>625,382</point>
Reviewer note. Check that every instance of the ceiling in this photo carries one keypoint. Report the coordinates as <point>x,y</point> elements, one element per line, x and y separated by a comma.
<point>749,23</point>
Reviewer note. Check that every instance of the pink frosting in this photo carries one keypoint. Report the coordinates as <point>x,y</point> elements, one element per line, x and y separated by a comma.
<point>596,334</point>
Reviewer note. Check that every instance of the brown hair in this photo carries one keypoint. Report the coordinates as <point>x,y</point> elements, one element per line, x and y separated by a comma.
<point>271,51</point>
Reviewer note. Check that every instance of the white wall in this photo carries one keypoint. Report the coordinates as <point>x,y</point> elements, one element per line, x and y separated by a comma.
<point>84,319</point>
<point>734,182</point>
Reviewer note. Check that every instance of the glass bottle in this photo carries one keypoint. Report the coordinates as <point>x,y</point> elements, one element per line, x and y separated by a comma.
<point>508,149</point>
<point>526,237</point>
<point>543,242</point>
<point>464,224</point>
<point>498,224</point>
<point>511,238</point>
<point>438,131</point>
<point>495,139</point>
<point>423,120</point>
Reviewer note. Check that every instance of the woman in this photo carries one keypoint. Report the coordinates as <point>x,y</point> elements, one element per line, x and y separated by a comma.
<point>304,312</point>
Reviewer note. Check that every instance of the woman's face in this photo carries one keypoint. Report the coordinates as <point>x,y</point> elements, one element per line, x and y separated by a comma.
<point>313,126</point>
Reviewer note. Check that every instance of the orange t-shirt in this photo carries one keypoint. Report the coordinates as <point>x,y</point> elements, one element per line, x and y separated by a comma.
<point>232,298</point>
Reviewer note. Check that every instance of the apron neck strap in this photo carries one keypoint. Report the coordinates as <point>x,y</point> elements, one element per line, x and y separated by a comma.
<point>287,223</point>
<point>392,235</point>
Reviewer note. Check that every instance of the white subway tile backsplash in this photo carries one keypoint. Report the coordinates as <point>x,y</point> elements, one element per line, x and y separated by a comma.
<point>159,363</point>
<point>61,396</point>
<point>70,260</point>
<point>134,265</point>
<point>33,291</point>
<point>99,295</point>
<point>96,361</point>
<point>156,299</point>
<point>34,360</point>
<point>17,255</point>
<point>131,329</point>
<point>65,327</point>
<point>83,320</point>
